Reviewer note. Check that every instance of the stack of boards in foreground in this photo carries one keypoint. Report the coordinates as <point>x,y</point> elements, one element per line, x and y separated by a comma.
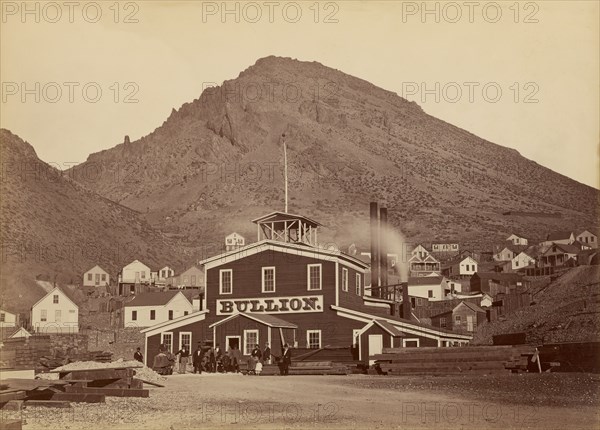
<point>444,361</point>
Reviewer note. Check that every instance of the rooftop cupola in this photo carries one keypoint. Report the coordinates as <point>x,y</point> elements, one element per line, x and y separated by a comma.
<point>285,227</point>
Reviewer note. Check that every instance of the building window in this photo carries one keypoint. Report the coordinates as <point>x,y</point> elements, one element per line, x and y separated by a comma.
<point>419,301</point>
<point>89,276</point>
<point>152,314</point>
<point>268,279</point>
<point>143,275</point>
<point>225,281</point>
<point>185,339</point>
<point>517,263</point>
<point>55,298</point>
<point>193,280</point>
<point>313,339</point>
<point>250,341</point>
<point>358,284</point>
<point>43,315</point>
<point>104,276</point>
<point>429,293</point>
<point>185,280</point>
<point>410,343</point>
<point>57,315</point>
<point>2,317</point>
<point>314,276</point>
<point>170,314</point>
<point>442,322</point>
<point>185,313</point>
<point>457,319</point>
<point>344,279</point>
<point>167,340</point>
<point>133,315</point>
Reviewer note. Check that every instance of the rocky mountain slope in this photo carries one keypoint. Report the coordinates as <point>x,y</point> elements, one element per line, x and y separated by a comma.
<point>566,310</point>
<point>54,229</point>
<point>216,163</point>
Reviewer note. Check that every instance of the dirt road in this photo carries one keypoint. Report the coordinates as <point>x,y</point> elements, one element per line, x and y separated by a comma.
<point>337,402</point>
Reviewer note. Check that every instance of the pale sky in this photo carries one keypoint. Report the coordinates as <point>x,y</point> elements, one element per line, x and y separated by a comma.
<point>174,49</point>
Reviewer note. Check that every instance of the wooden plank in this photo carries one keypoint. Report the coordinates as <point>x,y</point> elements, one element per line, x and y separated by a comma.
<point>48,403</point>
<point>80,397</point>
<point>13,395</point>
<point>116,367</point>
<point>158,385</point>
<point>98,374</point>
<point>114,392</point>
<point>448,349</point>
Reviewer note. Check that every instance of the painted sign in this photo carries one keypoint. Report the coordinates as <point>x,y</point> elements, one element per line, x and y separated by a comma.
<point>271,305</point>
<point>444,247</point>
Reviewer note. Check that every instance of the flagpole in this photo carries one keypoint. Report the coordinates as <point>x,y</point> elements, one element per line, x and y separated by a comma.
<point>285,175</point>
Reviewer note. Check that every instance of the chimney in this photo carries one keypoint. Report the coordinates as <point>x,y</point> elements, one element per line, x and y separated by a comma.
<point>374,250</point>
<point>197,304</point>
<point>406,307</point>
<point>383,248</point>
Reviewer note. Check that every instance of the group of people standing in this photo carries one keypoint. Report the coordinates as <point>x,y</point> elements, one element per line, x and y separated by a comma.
<point>212,359</point>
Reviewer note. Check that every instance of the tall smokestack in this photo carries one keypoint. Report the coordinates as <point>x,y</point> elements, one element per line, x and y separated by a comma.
<point>374,249</point>
<point>406,307</point>
<point>383,246</point>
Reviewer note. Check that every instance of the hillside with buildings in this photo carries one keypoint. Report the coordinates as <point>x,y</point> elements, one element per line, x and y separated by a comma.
<point>219,158</point>
<point>53,229</point>
<point>565,309</point>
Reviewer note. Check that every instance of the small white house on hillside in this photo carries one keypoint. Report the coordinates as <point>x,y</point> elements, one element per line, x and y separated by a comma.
<point>517,239</point>
<point>522,260</point>
<point>148,309</point>
<point>96,277</point>
<point>55,313</point>
<point>135,272</point>
<point>588,238</point>
<point>7,319</point>
<point>234,241</point>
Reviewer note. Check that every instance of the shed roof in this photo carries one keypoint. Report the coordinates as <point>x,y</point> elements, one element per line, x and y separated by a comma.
<point>391,329</point>
<point>559,235</point>
<point>471,306</point>
<point>153,299</point>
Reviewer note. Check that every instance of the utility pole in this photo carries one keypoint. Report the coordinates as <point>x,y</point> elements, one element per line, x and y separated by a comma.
<point>285,175</point>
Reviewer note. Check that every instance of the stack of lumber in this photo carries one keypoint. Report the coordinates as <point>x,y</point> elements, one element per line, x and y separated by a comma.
<point>308,368</point>
<point>51,362</point>
<point>443,361</point>
<point>107,381</point>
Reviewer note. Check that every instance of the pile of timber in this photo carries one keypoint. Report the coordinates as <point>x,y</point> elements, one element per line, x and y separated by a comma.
<point>81,385</point>
<point>308,368</point>
<point>52,362</point>
<point>111,381</point>
<point>444,361</point>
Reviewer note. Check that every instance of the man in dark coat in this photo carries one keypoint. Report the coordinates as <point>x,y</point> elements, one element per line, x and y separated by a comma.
<point>138,356</point>
<point>266,355</point>
<point>286,360</point>
<point>197,359</point>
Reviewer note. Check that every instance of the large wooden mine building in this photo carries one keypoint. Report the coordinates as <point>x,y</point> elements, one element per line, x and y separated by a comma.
<point>284,288</point>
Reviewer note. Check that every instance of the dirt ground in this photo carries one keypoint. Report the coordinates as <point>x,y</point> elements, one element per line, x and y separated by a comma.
<point>536,401</point>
